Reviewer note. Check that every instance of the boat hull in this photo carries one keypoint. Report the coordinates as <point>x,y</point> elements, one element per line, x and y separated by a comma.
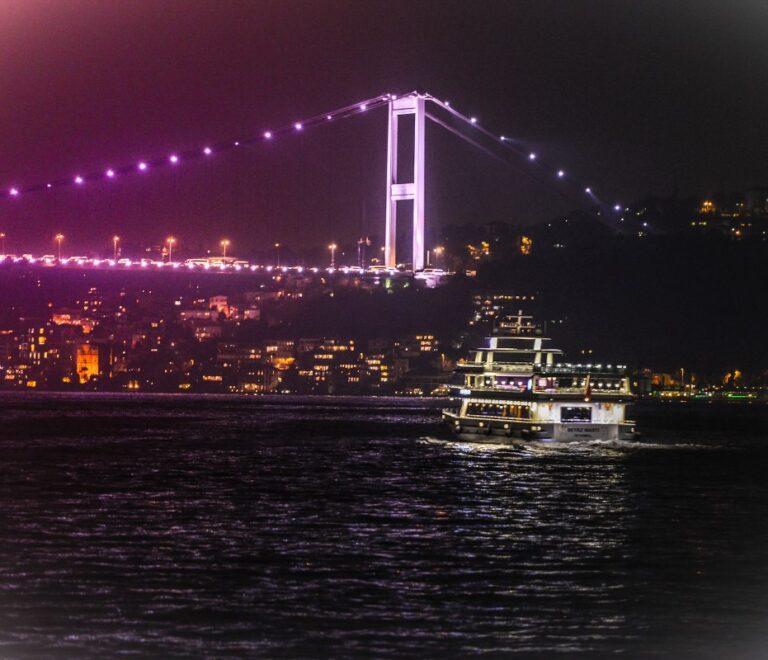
<point>499,430</point>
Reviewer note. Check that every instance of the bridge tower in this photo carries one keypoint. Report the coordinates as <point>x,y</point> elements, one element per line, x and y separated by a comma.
<point>410,104</point>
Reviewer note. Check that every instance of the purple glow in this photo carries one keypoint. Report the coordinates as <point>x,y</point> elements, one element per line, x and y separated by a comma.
<point>560,174</point>
<point>447,104</point>
<point>588,191</point>
<point>14,192</point>
<point>268,135</point>
<point>207,151</point>
<point>110,173</point>
<point>473,120</point>
<point>363,106</point>
<point>142,166</point>
<point>237,144</point>
<point>298,126</point>
<point>48,185</point>
<point>329,117</point>
<point>173,158</point>
<point>78,180</point>
<point>502,138</point>
<point>617,207</point>
<point>531,156</point>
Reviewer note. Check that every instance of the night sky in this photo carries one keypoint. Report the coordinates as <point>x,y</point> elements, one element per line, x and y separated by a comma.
<point>621,94</point>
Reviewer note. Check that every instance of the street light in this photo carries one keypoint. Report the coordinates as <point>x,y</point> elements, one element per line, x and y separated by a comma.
<point>224,246</point>
<point>277,251</point>
<point>59,239</point>
<point>362,243</point>
<point>115,241</point>
<point>332,247</point>
<point>438,251</point>
<point>2,240</point>
<point>170,240</point>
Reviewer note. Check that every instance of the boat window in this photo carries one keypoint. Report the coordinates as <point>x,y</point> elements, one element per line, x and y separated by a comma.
<point>576,414</point>
<point>510,382</point>
<point>508,410</point>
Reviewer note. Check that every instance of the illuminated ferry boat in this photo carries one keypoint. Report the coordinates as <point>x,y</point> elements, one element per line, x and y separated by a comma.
<point>517,388</point>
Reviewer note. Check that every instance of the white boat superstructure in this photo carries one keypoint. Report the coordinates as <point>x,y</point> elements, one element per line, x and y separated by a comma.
<point>517,387</point>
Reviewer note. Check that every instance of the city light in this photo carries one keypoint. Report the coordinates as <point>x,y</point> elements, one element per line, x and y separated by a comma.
<point>332,247</point>
<point>531,156</point>
<point>13,192</point>
<point>268,135</point>
<point>173,158</point>
<point>2,242</point>
<point>170,241</point>
<point>110,173</point>
<point>142,166</point>
<point>560,174</point>
<point>207,151</point>
<point>59,239</point>
<point>298,126</point>
<point>224,246</point>
<point>78,180</point>
<point>115,241</point>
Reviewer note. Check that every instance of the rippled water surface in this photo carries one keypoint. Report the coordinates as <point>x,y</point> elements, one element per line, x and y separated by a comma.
<point>218,527</point>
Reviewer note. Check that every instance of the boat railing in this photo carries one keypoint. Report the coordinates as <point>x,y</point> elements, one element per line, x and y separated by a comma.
<point>592,369</point>
<point>578,390</point>
<point>517,367</point>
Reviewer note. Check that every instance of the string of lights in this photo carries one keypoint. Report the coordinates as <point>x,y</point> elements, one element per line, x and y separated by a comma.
<point>555,175</point>
<point>518,167</point>
<point>177,158</point>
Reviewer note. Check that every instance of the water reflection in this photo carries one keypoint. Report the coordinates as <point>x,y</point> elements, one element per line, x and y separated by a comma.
<point>181,527</point>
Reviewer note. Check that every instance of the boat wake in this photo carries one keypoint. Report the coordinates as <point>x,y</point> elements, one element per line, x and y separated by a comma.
<point>550,446</point>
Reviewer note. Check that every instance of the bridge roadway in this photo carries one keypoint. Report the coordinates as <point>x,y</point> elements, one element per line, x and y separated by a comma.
<point>213,265</point>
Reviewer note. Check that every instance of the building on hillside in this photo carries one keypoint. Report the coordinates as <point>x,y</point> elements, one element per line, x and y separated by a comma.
<point>87,362</point>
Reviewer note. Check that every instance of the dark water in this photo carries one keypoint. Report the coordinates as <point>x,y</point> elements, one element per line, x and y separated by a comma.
<point>221,527</point>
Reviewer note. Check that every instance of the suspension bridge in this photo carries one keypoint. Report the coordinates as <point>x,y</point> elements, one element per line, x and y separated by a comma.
<point>415,107</point>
